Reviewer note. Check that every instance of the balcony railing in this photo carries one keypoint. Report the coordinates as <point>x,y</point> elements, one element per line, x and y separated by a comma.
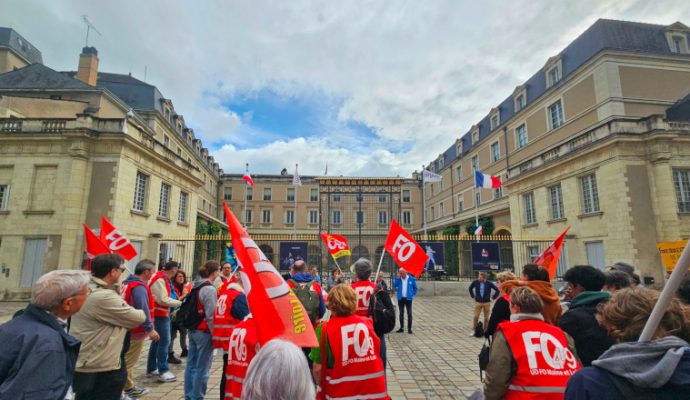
<point>58,126</point>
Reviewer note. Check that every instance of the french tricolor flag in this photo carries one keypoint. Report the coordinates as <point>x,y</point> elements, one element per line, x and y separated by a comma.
<point>486,181</point>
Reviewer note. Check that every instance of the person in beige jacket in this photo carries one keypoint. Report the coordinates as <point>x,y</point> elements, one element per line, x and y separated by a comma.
<point>101,327</point>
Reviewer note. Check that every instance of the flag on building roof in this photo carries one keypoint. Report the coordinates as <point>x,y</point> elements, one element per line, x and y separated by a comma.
<point>248,178</point>
<point>296,180</point>
<point>549,258</point>
<point>486,181</point>
<point>429,176</point>
<point>478,230</point>
<point>325,171</point>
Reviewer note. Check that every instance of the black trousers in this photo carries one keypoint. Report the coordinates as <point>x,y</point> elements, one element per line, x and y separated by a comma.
<point>222,376</point>
<point>174,328</point>
<point>403,303</point>
<point>100,385</point>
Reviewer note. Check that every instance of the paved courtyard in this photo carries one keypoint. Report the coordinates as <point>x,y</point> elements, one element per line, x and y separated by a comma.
<point>439,361</point>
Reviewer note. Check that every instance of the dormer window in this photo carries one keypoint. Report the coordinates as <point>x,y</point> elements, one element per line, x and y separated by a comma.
<point>554,71</point>
<point>495,118</point>
<point>520,98</point>
<point>677,38</point>
<point>458,147</point>
<point>475,134</point>
<point>441,161</point>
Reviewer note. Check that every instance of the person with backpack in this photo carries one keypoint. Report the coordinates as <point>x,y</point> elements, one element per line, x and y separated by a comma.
<point>382,312</point>
<point>203,298</point>
<point>309,293</point>
<point>361,284</point>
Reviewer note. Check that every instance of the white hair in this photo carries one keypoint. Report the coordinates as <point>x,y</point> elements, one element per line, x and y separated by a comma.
<point>278,372</point>
<point>52,288</point>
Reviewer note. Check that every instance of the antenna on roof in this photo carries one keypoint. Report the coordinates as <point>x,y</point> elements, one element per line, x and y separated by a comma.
<point>89,26</point>
<point>146,68</point>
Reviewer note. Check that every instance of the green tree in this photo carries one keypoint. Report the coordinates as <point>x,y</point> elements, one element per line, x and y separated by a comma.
<point>487,224</point>
<point>451,250</point>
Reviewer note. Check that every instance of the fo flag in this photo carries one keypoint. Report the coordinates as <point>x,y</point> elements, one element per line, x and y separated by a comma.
<point>337,245</point>
<point>116,241</point>
<point>549,258</point>
<point>407,253</point>
<point>94,246</point>
<point>276,309</point>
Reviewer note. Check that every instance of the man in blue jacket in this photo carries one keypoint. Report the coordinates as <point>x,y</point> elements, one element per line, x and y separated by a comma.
<point>407,288</point>
<point>38,357</point>
<point>480,291</point>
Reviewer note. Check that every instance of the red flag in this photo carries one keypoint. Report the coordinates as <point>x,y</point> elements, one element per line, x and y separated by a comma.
<point>248,178</point>
<point>549,257</point>
<point>94,246</point>
<point>275,308</point>
<point>337,245</point>
<point>116,241</point>
<point>407,253</point>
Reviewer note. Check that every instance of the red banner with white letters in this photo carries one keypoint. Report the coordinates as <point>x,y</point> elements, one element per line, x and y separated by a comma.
<point>336,244</point>
<point>407,253</point>
<point>116,241</point>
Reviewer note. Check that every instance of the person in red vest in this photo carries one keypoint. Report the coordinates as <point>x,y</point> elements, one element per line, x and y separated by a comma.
<point>138,295</point>
<point>529,358</point>
<point>242,347</point>
<point>347,362</point>
<point>224,276</point>
<point>163,298</point>
<point>362,286</point>
<point>501,309</point>
<point>231,309</point>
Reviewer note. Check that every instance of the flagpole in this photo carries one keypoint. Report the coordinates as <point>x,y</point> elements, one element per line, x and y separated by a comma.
<point>383,253</point>
<point>294,222</point>
<point>423,203</point>
<point>244,217</point>
<point>336,264</point>
<point>476,204</point>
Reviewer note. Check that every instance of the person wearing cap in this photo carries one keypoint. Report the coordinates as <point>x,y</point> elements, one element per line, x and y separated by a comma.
<point>628,269</point>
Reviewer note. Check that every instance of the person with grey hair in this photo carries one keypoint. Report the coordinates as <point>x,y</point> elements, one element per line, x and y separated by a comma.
<point>278,372</point>
<point>361,284</point>
<point>39,356</point>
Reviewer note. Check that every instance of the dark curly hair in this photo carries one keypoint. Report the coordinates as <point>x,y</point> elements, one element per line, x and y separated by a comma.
<point>590,278</point>
<point>683,291</point>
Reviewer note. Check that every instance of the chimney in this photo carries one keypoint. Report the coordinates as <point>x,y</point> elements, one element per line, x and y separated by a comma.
<point>88,66</point>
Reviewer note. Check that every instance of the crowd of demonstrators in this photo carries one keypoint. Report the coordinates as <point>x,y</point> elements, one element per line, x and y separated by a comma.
<point>657,369</point>
<point>480,290</point>
<point>164,297</point>
<point>406,286</point>
<point>334,278</point>
<point>537,279</point>
<point>231,309</point>
<point>616,280</point>
<point>346,362</point>
<point>182,289</point>
<point>137,294</point>
<point>501,308</point>
<point>197,370</point>
<point>39,356</point>
<point>516,353</point>
<point>102,325</point>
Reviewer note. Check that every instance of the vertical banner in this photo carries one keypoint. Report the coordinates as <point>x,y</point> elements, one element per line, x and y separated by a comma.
<point>436,254</point>
<point>291,252</point>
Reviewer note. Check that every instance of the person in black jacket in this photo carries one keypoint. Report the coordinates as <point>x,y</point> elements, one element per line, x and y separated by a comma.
<point>384,297</point>
<point>584,291</point>
<point>501,309</point>
<point>39,357</point>
<point>480,291</point>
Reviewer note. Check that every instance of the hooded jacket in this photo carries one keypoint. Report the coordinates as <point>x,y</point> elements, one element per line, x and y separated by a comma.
<point>580,322</point>
<point>552,305</point>
<point>659,369</point>
<point>307,277</point>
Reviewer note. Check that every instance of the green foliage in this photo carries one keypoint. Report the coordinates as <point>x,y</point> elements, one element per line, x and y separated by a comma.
<point>451,250</point>
<point>487,224</point>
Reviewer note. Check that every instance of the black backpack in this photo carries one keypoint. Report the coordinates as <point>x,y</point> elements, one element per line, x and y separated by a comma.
<point>188,316</point>
<point>479,330</point>
<point>382,312</point>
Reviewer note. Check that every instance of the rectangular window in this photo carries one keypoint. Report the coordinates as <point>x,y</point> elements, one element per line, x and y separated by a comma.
<point>458,173</point>
<point>267,194</point>
<point>682,183</point>
<point>533,252</point>
<point>521,133</point>
<point>475,136</point>
<point>314,195</point>
<point>313,217</point>
<point>556,114</point>
<point>265,216</point>
<point>227,193</point>
<point>4,196</point>
<point>166,141</point>
<point>554,76</point>
<point>406,196</point>
<point>407,218</point>
<point>383,217</point>
<point>182,212</point>
<point>442,185</point>
<point>590,194</point>
<point>477,199</point>
<point>291,194</point>
<point>433,213</point>
<point>519,103</point>
<point>140,188</point>
<point>595,254</point>
<point>289,217</point>
<point>250,193</point>
<point>677,44</point>
<point>494,122</point>
<point>248,217</point>
<point>495,152</point>
<point>530,212</point>
<point>164,204</point>
<point>336,198</point>
<point>337,220</point>
<point>383,198</point>
<point>441,210</point>
<point>360,217</point>
<point>475,163</point>
<point>461,203</point>
<point>556,201</point>
<point>179,152</point>
<point>498,193</point>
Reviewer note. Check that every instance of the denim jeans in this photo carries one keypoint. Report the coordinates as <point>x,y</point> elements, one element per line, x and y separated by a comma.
<point>158,352</point>
<point>198,368</point>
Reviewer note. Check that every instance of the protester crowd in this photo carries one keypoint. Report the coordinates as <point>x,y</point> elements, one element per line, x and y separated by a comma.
<point>83,332</point>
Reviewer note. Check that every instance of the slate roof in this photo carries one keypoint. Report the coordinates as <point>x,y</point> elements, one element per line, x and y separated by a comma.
<point>137,94</point>
<point>10,38</point>
<point>679,111</point>
<point>38,76</point>
<point>604,34</point>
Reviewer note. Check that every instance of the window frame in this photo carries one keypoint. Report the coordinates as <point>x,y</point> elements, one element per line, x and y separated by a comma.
<point>458,173</point>
<point>141,194</point>
<point>461,202</point>
<point>495,157</point>
<point>407,213</point>
<point>287,194</point>
<point>248,216</point>
<point>682,189</point>
<point>593,191</point>
<point>556,206</point>
<point>266,212</point>
<point>560,114</point>
<point>249,194</point>
<point>518,141</point>
<point>182,207</point>
<point>227,193</point>
<point>268,194</point>
<point>315,221</point>
<point>5,199</point>
<point>313,197</point>
<point>406,196</point>
<point>529,209</point>
<point>165,214</point>
<point>385,217</point>
<point>289,212</point>
<point>339,213</point>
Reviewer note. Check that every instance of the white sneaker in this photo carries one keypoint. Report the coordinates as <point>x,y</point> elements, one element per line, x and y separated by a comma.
<point>472,333</point>
<point>167,377</point>
<point>152,374</point>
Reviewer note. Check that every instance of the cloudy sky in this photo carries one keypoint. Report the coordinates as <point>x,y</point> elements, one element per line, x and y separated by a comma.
<point>371,88</point>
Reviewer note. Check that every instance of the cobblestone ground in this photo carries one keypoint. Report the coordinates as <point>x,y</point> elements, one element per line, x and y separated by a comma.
<point>438,361</point>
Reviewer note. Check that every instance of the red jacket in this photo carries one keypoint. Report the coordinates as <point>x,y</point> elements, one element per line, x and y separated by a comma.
<point>364,290</point>
<point>243,346</point>
<point>357,370</point>
<point>544,362</point>
<point>223,321</point>
<point>160,310</point>
<point>127,295</point>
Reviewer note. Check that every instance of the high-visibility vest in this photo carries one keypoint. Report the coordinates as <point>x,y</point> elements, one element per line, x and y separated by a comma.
<point>364,290</point>
<point>506,297</point>
<point>223,321</point>
<point>544,362</point>
<point>127,295</point>
<point>203,326</point>
<point>160,310</point>
<point>357,370</point>
<point>243,346</point>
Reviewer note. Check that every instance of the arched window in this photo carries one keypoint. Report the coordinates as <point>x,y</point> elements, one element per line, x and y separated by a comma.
<point>359,251</point>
